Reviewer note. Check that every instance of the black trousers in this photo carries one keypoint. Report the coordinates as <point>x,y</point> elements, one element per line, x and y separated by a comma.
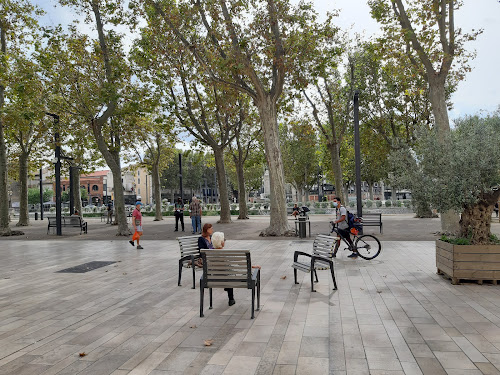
<point>179,216</point>
<point>230,293</point>
<point>344,233</point>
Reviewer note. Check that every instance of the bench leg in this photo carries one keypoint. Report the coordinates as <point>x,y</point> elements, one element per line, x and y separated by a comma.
<point>210,293</point>
<point>316,275</point>
<point>258,292</point>
<point>180,273</point>
<point>202,297</point>
<point>381,228</point>
<point>253,302</point>
<point>333,276</point>
<point>193,266</point>
<point>295,275</point>
<point>312,280</point>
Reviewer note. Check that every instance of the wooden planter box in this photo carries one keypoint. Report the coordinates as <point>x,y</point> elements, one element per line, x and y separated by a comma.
<point>468,262</point>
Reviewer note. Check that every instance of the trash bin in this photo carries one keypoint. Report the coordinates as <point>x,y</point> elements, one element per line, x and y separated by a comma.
<point>36,215</point>
<point>302,226</point>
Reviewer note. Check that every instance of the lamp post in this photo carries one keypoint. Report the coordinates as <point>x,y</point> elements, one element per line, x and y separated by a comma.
<point>357,154</point>
<point>180,177</point>
<point>41,195</point>
<point>319,186</point>
<point>57,163</point>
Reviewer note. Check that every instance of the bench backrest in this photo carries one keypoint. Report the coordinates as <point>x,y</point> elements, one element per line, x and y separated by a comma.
<point>188,245</point>
<point>72,220</point>
<point>372,217</point>
<point>227,268</point>
<point>323,246</point>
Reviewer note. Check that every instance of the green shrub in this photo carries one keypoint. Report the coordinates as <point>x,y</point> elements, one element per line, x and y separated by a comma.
<point>317,205</point>
<point>299,204</point>
<point>369,203</point>
<point>399,204</point>
<point>455,241</point>
<point>320,211</point>
<point>253,212</point>
<point>352,204</point>
<point>379,203</point>
<point>388,203</point>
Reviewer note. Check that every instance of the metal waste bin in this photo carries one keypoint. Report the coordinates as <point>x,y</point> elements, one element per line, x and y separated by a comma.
<point>302,226</point>
<point>36,215</point>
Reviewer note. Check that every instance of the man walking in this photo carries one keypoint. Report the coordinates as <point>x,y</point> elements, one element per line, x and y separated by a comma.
<point>195,214</point>
<point>179,214</point>
<point>110,213</point>
<point>343,226</point>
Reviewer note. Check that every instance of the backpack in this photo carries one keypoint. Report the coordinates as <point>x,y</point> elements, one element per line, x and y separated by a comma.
<point>353,221</point>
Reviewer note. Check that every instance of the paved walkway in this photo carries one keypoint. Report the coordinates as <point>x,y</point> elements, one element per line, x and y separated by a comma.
<point>392,315</point>
<point>401,227</point>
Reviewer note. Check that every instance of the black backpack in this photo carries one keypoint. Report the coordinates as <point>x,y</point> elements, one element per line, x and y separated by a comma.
<point>353,221</point>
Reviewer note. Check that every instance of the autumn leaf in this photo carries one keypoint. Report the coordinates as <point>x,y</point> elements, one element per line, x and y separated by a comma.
<point>83,354</point>
<point>208,342</point>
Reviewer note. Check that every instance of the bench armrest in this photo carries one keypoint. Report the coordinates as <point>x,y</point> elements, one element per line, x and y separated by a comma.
<point>255,273</point>
<point>297,253</point>
<point>317,257</point>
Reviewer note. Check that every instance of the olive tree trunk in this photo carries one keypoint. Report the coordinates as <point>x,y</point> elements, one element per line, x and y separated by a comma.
<point>225,209</point>
<point>475,223</point>
<point>23,193</point>
<point>157,191</point>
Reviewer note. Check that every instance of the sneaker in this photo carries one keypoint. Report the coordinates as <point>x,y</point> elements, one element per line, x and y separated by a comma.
<point>139,247</point>
<point>231,302</point>
<point>176,230</point>
<point>353,255</point>
<point>131,242</point>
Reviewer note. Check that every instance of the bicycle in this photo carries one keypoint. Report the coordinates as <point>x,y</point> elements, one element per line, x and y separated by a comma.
<point>367,245</point>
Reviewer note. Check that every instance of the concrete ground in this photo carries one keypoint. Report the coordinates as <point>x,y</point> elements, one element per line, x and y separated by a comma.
<point>392,315</point>
<point>401,227</point>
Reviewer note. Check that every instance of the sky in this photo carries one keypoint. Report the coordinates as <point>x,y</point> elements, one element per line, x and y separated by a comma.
<point>479,92</point>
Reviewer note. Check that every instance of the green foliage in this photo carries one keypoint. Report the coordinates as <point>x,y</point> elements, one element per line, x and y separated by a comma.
<point>456,241</point>
<point>379,203</point>
<point>34,195</point>
<point>369,203</point>
<point>388,203</point>
<point>452,174</point>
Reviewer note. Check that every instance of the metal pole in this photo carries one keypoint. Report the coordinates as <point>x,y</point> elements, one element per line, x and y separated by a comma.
<point>58,178</point>
<point>357,154</point>
<point>180,177</point>
<point>319,190</point>
<point>41,195</point>
<point>71,197</point>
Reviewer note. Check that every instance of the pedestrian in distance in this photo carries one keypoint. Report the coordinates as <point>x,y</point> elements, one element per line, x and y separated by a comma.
<point>137,223</point>
<point>179,214</point>
<point>110,213</point>
<point>195,214</point>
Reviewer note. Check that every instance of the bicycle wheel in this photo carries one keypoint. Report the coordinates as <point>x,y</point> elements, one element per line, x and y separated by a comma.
<point>368,246</point>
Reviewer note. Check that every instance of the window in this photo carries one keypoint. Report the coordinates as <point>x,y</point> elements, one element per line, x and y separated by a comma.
<point>95,188</point>
<point>139,191</point>
<point>138,172</point>
<point>139,181</point>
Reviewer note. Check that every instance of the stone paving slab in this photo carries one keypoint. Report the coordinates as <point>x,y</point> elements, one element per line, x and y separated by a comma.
<point>392,315</point>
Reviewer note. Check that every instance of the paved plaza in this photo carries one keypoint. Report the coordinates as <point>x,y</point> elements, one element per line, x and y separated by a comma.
<point>392,315</point>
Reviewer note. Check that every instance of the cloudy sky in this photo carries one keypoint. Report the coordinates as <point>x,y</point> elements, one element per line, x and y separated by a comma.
<point>480,90</point>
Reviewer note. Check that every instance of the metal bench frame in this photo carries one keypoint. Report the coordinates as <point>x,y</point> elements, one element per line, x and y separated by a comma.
<point>188,246</point>
<point>372,220</point>
<point>68,221</point>
<point>229,269</point>
<point>321,258</point>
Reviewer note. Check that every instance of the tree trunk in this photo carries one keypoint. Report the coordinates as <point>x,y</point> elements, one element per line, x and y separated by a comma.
<point>113,160</point>
<point>242,194</point>
<point>75,190</point>
<point>449,219</point>
<point>156,191</point>
<point>370,190</point>
<point>346,195</point>
<point>225,209</point>
<point>337,170</point>
<point>475,223</point>
<point>4,195</point>
<point>23,193</point>
<point>394,195</point>
<point>268,118</point>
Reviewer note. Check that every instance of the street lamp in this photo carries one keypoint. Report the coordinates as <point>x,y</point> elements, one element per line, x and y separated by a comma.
<point>357,154</point>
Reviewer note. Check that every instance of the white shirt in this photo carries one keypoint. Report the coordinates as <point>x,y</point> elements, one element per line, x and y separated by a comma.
<point>341,211</point>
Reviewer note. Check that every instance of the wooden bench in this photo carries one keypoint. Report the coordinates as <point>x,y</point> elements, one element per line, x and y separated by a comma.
<point>188,246</point>
<point>321,258</point>
<point>68,221</point>
<point>229,269</point>
<point>372,220</point>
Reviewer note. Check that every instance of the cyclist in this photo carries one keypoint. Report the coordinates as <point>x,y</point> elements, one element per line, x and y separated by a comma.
<point>343,227</point>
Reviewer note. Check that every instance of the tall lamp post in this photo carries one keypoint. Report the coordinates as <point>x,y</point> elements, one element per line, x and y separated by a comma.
<point>180,177</point>
<point>41,195</point>
<point>57,163</point>
<point>357,154</point>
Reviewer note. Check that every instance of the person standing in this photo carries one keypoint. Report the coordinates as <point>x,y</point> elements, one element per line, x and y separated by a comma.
<point>179,214</point>
<point>137,223</point>
<point>110,213</point>
<point>195,214</point>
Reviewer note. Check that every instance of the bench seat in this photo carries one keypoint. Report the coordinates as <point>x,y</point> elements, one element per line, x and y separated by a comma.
<point>68,221</point>
<point>188,246</point>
